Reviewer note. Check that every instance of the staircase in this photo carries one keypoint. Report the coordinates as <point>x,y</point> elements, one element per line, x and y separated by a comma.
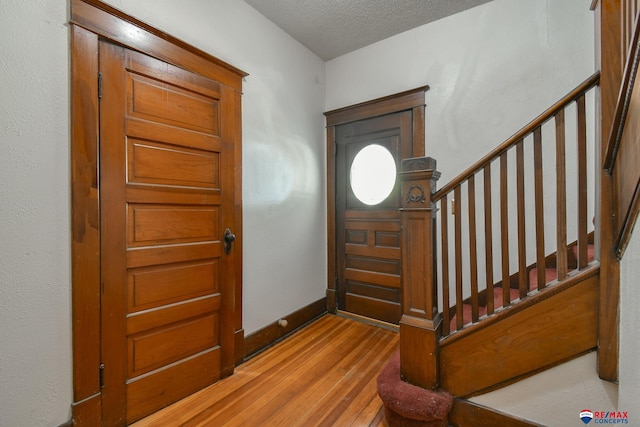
<point>499,293</point>
<point>492,290</point>
<point>543,308</point>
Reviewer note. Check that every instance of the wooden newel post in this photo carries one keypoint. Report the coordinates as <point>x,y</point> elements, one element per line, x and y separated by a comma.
<point>421,323</point>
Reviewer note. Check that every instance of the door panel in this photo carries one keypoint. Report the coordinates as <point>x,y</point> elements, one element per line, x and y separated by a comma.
<point>171,384</point>
<point>153,163</point>
<point>368,236</point>
<point>162,345</point>
<point>166,178</point>
<point>156,286</point>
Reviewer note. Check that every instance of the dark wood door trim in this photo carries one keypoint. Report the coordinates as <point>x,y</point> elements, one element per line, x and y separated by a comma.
<point>377,107</point>
<point>411,100</point>
<point>85,225</point>
<point>91,21</point>
<point>115,25</point>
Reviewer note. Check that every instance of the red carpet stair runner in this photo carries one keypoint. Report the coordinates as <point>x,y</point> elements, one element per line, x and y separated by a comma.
<point>406,405</point>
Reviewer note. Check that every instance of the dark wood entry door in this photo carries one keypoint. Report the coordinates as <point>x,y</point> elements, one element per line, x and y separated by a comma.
<point>368,264</point>
<point>166,198</point>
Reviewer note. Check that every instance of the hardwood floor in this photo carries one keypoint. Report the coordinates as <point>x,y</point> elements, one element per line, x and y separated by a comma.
<point>323,375</point>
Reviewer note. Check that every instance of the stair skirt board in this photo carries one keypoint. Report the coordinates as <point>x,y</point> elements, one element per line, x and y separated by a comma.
<point>531,336</point>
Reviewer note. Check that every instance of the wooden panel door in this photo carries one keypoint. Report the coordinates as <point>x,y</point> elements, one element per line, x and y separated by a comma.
<point>166,194</point>
<point>368,264</point>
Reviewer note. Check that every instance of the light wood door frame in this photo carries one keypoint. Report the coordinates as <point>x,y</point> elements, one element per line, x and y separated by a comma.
<point>412,100</point>
<point>92,21</point>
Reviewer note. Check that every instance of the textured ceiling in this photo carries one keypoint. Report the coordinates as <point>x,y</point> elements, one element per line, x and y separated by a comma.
<point>331,28</point>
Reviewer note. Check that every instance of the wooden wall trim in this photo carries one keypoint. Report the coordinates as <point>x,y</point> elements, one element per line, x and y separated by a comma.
<point>88,412</point>
<point>377,107</point>
<point>85,221</point>
<point>126,30</point>
<point>626,206</point>
<point>608,61</point>
<point>332,277</point>
<point>272,333</point>
<point>623,103</point>
<point>237,211</point>
<point>469,414</point>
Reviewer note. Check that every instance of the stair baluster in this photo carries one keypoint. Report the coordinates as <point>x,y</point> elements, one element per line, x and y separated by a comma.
<point>523,179</point>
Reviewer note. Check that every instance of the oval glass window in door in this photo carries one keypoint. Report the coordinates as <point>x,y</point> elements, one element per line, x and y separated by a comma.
<point>373,174</point>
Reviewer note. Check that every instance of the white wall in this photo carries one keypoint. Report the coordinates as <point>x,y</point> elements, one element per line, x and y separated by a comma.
<point>283,147</point>
<point>284,195</point>
<point>629,368</point>
<point>35,325</point>
<point>491,70</point>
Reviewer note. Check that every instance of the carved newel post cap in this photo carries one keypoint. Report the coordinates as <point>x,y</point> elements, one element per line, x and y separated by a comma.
<point>416,164</point>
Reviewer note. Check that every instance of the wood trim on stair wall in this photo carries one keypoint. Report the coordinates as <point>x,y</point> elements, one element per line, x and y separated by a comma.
<point>608,61</point>
<point>469,414</point>
<point>272,333</point>
<point>622,154</point>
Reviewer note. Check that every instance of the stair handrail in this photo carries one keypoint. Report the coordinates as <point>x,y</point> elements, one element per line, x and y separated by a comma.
<point>572,96</point>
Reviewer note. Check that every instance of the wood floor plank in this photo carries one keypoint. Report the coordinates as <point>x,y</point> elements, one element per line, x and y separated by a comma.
<point>323,375</point>
<point>360,371</point>
<point>352,386</point>
<point>304,394</point>
<point>318,373</point>
<point>252,396</point>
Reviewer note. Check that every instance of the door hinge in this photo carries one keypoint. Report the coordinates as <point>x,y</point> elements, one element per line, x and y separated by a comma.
<point>99,85</point>
<point>101,375</point>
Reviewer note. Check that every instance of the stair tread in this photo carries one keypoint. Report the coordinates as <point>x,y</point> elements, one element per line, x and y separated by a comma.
<point>482,310</point>
<point>591,252</point>
<point>551,274</point>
